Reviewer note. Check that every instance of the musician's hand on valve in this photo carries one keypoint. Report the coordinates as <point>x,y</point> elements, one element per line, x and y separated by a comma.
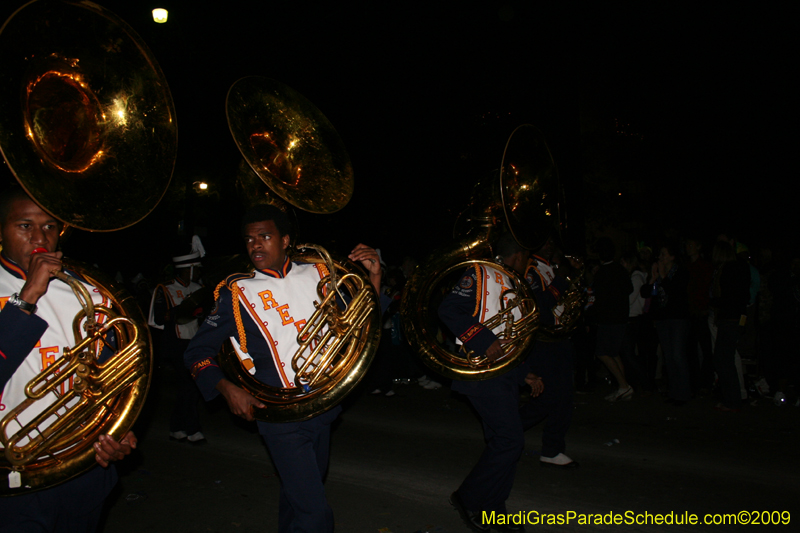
<point>495,350</point>
<point>43,266</point>
<point>107,450</point>
<point>369,259</point>
<point>240,401</point>
<point>536,384</point>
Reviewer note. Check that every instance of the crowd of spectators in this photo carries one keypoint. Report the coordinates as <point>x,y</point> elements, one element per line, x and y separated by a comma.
<point>703,319</point>
<point>683,317</point>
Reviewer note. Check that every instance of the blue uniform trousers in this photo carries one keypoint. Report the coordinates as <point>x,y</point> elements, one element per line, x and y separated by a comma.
<point>488,485</point>
<point>300,452</point>
<point>74,506</point>
<point>553,362</point>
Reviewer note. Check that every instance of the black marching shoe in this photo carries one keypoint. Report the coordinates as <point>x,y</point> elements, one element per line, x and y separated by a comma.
<point>472,520</point>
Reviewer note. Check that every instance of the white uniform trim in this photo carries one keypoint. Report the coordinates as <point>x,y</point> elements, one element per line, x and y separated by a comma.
<point>177,293</point>
<point>547,275</point>
<point>281,307</point>
<point>494,284</point>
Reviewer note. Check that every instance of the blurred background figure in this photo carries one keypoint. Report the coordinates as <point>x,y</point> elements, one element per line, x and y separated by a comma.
<point>634,349</point>
<point>670,311</point>
<point>172,311</point>
<point>611,288</point>
<point>730,293</point>
<point>699,353</point>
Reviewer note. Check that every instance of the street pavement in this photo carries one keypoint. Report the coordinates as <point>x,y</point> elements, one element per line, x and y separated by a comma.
<point>395,461</point>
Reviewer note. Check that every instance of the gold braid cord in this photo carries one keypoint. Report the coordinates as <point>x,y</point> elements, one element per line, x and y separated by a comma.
<point>237,314</point>
<point>478,289</point>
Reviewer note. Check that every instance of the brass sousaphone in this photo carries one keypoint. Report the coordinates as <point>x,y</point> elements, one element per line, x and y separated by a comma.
<point>87,126</point>
<point>295,151</point>
<point>521,198</point>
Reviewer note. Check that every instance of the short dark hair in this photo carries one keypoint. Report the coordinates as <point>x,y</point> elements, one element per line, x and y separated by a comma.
<point>507,245</point>
<point>10,195</point>
<point>263,212</point>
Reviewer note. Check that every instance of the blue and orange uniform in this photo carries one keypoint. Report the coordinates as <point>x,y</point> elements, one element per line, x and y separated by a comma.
<point>29,344</point>
<point>473,300</point>
<point>273,306</point>
<point>184,420</point>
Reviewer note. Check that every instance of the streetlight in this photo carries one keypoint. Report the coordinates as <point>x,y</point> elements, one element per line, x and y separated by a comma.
<point>160,15</point>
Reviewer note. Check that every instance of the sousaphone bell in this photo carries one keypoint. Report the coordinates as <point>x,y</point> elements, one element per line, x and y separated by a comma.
<point>300,158</point>
<point>521,198</point>
<point>87,126</point>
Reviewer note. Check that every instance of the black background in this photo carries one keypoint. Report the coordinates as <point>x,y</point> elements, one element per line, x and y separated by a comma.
<point>658,116</point>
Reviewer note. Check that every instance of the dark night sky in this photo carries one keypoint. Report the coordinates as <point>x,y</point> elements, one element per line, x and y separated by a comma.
<point>416,90</point>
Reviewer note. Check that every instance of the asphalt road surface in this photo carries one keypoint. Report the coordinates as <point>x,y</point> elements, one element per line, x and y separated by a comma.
<point>395,461</point>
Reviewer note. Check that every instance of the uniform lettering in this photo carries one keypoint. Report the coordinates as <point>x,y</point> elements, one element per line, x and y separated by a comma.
<point>48,355</point>
<point>300,324</point>
<point>267,299</point>
<point>498,277</point>
<point>3,301</point>
<point>471,332</point>
<point>179,293</point>
<point>284,312</point>
<point>200,366</point>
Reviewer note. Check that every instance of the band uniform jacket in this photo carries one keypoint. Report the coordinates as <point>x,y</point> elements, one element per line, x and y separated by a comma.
<point>30,343</point>
<point>547,288</point>
<point>274,306</point>
<point>475,299</point>
<point>173,293</point>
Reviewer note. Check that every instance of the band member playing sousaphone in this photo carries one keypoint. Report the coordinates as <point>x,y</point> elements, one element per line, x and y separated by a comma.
<point>297,333</point>
<point>35,326</point>
<point>92,151</point>
<point>262,313</point>
<point>478,295</point>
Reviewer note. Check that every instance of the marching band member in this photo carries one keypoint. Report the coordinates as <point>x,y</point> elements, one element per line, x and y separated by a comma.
<point>35,325</point>
<point>184,422</point>
<point>262,313</point>
<point>475,298</point>
<point>552,360</point>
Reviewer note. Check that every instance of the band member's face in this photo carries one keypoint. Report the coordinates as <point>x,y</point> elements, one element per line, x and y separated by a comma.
<point>25,229</point>
<point>265,245</point>
<point>518,262</point>
<point>184,274</point>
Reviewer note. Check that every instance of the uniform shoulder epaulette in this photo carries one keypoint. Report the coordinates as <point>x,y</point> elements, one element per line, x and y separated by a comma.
<point>233,278</point>
<point>230,282</point>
